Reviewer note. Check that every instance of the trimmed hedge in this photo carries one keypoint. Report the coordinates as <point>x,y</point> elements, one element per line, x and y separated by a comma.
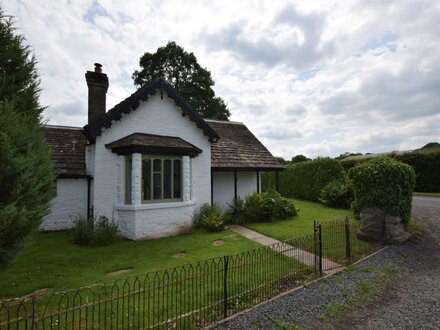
<point>425,164</point>
<point>306,179</point>
<point>383,183</point>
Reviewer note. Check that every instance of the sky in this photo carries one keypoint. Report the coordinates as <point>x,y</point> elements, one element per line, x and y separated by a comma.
<point>318,78</point>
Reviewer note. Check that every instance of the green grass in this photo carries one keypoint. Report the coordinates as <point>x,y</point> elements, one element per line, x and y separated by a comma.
<point>51,260</point>
<point>333,235</point>
<point>187,296</point>
<point>365,291</point>
<point>415,229</point>
<point>302,223</point>
<point>428,194</point>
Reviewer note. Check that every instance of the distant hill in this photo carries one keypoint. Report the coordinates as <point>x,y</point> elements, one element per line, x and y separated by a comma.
<point>431,146</point>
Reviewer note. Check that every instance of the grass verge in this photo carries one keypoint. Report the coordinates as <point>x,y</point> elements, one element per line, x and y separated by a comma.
<point>427,194</point>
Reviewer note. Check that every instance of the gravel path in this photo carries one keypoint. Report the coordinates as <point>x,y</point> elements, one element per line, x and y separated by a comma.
<point>396,289</point>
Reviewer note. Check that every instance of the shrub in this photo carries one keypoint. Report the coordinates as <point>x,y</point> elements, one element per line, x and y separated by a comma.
<point>258,208</point>
<point>264,207</point>
<point>210,218</point>
<point>337,194</point>
<point>383,183</point>
<point>95,232</point>
<point>281,208</point>
<point>237,211</point>
<point>306,179</point>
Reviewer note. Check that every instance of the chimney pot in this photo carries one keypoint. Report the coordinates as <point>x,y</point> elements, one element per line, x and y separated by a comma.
<point>98,67</point>
<point>97,82</point>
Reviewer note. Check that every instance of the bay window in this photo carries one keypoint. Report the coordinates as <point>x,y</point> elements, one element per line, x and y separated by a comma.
<point>161,178</point>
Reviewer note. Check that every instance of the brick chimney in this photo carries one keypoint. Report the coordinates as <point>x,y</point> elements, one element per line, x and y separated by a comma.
<point>97,82</point>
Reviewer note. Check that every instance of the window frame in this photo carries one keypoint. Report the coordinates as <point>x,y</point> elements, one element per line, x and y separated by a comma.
<point>162,158</point>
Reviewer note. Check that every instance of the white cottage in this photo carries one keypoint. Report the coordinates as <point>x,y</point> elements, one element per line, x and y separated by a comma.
<point>150,162</point>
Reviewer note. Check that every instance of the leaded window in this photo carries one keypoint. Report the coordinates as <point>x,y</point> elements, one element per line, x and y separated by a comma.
<point>161,178</point>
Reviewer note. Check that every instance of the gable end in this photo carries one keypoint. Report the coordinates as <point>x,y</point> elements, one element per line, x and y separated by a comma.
<point>132,103</point>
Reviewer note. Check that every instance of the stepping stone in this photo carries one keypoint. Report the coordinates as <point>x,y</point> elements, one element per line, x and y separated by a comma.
<point>218,242</point>
<point>179,254</point>
<point>119,272</point>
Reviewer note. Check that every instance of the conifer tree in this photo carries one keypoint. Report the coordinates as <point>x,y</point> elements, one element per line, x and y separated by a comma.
<point>26,173</point>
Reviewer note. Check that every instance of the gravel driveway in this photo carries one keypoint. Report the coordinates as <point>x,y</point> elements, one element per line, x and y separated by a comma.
<point>396,289</point>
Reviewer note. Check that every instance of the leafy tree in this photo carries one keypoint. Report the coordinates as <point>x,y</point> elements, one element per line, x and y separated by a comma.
<point>299,159</point>
<point>26,172</point>
<point>186,75</point>
<point>282,161</point>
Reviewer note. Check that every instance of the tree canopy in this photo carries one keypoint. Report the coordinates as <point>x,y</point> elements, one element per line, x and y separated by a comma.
<point>26,172</point>
<point>185,74</point>
<point>299,159</point>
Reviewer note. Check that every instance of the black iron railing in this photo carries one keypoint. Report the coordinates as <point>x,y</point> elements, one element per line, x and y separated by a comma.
<point>192,295</point>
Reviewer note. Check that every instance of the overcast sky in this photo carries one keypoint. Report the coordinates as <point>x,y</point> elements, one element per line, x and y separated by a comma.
<point>307,77</point>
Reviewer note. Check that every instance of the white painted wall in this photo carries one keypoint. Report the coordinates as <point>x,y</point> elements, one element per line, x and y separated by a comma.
<point>69,204</point>
<point>223,186</point>
<point>162,117</point>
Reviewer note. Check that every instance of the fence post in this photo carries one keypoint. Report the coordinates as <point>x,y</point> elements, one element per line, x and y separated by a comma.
<point>315,242</point>
<point>225,286</point>
<point>34,313</point>
<point>347,241</point>
<point>320,248</point>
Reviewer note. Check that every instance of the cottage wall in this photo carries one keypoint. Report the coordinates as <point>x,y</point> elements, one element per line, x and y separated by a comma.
<point>162,117</point>
<point>223,186</point>
<point>69,204</point>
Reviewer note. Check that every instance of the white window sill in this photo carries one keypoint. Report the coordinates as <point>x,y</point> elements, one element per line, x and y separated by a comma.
<point>154,206</point>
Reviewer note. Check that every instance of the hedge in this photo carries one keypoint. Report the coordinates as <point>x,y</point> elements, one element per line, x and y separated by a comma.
<point>425,164</point>
<point>305,179</point>
<point>384,183</point>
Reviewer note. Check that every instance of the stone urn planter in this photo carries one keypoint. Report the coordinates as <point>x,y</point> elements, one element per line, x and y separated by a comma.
<point>379,226</point>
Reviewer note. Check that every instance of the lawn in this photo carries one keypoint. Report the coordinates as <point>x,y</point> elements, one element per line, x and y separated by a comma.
<point>51,260</point>
<point>301,224</point>
<point>333,233</point>
<point>428,194</point>
<point>188,296</point>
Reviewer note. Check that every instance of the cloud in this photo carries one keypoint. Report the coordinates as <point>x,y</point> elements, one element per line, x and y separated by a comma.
<point>292,39</point>
<point>307,77</point>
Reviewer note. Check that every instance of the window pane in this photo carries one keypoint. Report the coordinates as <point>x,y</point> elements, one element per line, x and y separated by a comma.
<point>146,178</point>
<point>157,165</point>
<point>157,185</point>
<point>177,175</point>
<point>128,180</point>
<point>167,179</point>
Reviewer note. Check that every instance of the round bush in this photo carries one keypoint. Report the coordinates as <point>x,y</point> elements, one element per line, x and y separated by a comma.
<point>383,183</point>
<point>337,194</point>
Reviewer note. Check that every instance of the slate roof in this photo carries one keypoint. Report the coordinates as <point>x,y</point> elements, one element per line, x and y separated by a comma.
<point>67,145</point>
<point>237,148</point>
<point>132,102</point>
<point>150,143</point>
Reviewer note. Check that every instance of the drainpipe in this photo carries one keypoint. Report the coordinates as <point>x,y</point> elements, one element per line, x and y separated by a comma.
<point>89,211</point>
